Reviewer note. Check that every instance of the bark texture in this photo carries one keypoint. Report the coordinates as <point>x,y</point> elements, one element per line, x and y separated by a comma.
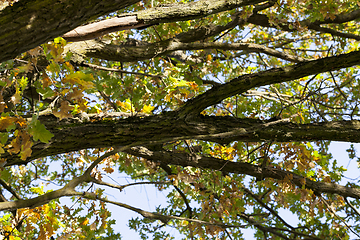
<point>275,75</point>
<point>73,134</point>
<point>186,159</point>
<point>160,14</point>
<point>27,24</point>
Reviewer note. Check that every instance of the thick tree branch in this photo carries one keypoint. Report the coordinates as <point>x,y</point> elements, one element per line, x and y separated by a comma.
<point>263,20</point>
<point>156,15</point>
<point>139,50</point>
<point>186,159</point>
<point>28,24</point>
<point>275,75</point>
<point>73,134</point>
<point>97,29</point>
<point>67,190</point>
<point>143,51</point>
<point>183,12</point>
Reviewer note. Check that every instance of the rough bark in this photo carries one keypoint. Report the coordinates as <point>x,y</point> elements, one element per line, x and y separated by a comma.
<point>139,51</point>
<point>161,14</point>
<point>28,24</point>
<point>97,29</point>
<point>272,76</point>
<point>73,134</point>
<point>186,159</point>
<point>264,21</point>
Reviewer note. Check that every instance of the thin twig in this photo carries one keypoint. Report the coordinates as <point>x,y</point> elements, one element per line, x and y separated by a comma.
<point>83,64</point>
<point>7,187</point>
<point>352,207</point>
<point>333,212</point>
<point>157,216</point>
<point>267,207</point>
<point>121,187</point>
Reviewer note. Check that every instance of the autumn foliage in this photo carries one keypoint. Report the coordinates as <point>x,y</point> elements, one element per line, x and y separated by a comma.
<point>228,108</point>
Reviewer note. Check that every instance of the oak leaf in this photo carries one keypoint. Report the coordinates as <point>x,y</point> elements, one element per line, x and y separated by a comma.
<point>65,108</point>
<point>39,132</point>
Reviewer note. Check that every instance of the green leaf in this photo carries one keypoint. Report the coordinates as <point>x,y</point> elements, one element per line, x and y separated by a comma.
<point>39,132</point>
<point>46,92</point>
<point>5,174</point>
<point>310,173</point>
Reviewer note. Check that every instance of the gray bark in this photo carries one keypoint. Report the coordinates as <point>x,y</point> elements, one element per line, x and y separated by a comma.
<point>186,159</point>
<point>27,24</point>
<point>160,14</point>
<point>73,134</point>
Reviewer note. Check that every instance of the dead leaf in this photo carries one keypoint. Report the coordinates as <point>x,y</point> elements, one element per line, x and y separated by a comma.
<point>65,108</point>
<point>75,94</point>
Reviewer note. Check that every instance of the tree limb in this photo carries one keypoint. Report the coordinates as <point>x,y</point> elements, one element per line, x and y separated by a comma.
<point>73,134</point>
<point>155,15</point>
<point>27,24</point>
<point>275,75</point>
<point>131,52</point>
<point>186,159</point>
<point>263,20</point>
<point>157,216</point>
<point>67,190</point>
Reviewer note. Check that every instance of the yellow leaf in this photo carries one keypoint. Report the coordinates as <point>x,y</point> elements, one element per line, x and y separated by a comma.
<point>7,228</point>
<point>21,122</point>
<point>147,109</point>
<point>184,223</point>
<point>85,222</point>
<point>127,106</point>
<point>15,144</point>
<point>26,150</point>
<point>80,78</point>
<point>25,68</point>
<point>193,86</point>
<point>69,66</point>
<point>82,103</point>
<point>5,122</point>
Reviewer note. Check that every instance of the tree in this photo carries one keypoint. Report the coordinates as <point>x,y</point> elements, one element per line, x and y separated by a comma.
<point>229,105</point>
